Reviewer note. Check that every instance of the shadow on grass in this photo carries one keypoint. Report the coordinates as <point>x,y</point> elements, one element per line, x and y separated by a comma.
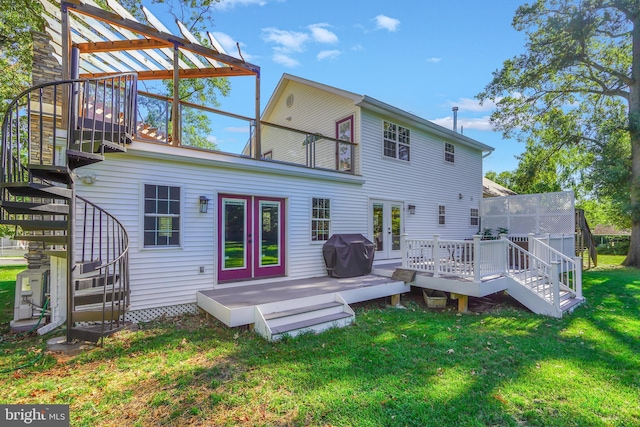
<point>393,367</point>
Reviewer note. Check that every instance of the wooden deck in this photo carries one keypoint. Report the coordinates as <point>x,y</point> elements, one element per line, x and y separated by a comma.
<point>235,306</point>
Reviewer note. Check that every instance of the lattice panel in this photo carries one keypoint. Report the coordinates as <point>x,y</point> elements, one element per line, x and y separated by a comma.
<point>551,213</point>
<point>150,314</point>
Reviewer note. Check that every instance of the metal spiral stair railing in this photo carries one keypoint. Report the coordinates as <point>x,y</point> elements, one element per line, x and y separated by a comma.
<point>49,131</point>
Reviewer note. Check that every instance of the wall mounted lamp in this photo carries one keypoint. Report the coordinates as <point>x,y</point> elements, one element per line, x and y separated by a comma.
<point>411,209</point>
<point>460,196</point>
<point>204,204</point>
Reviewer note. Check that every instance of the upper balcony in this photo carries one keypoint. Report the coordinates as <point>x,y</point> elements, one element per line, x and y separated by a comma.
<point>90,41</point>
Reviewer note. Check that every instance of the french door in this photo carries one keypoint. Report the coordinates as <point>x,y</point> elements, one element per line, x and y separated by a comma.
<point>251,237</point>
<point>387,228</point>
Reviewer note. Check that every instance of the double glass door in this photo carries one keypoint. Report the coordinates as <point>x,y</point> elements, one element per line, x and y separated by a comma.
<point>251,236</point>
<point>387,228</point>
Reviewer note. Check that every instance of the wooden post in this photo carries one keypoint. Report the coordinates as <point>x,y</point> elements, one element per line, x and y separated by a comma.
<point>258,153</point>
<point>175,107</point>
<point>436,256</point>
<point>476,258</point>
<point>463,303</point>
<point>395,300</point>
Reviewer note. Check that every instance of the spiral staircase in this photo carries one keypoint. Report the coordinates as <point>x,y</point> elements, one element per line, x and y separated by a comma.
<point>48,132</point>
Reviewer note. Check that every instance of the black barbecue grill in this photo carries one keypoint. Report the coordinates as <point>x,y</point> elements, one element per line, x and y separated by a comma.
<point>348,255</point>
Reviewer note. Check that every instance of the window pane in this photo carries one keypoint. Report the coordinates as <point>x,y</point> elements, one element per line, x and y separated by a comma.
<point>404,152</point>
<point>149,191</point>
<point>163,192</point>
<point>390,149</point>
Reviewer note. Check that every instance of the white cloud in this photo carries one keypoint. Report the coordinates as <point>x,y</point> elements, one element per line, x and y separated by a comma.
<point>229,45</point>
<point>229,4</point>
<point>358,47</point>
<point>434,60</point>
<point>237,129</point>
<point>288,41</point>
<point>469,104</point>
<point>285,60</point>
<point>385,23</point>
<point>320,33</point>
<point>212,138</point>
<point>328,54</point>
<point>479,123</point>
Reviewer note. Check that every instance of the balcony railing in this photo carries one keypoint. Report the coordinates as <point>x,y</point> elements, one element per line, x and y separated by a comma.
<point>216,130</point>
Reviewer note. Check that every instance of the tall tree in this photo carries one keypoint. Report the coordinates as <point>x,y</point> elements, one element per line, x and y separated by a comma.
<point>578,85</point>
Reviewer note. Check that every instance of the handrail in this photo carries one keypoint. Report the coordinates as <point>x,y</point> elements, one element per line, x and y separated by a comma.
<point>570,274</point>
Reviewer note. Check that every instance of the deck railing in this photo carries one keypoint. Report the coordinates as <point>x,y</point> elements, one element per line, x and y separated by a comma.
<point>279,143</point>
<point>543,269</point>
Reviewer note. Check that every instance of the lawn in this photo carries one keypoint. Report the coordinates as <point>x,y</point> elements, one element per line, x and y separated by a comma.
<point>415,367</point>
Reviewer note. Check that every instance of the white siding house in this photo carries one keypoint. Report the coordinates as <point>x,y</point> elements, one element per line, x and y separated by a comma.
<point>372,199</point>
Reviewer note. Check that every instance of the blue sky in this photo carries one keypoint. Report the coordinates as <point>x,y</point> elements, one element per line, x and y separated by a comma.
<point>423,56</point>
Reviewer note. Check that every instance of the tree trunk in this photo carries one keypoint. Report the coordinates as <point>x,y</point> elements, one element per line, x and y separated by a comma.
<point>633,257</point>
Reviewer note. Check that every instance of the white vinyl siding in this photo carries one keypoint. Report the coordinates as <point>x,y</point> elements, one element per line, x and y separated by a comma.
<point>425,182</point>
<point>172,276</point>
<point>314,111</point>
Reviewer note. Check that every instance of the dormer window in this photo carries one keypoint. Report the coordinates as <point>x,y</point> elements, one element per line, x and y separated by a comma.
<point>396,141</point>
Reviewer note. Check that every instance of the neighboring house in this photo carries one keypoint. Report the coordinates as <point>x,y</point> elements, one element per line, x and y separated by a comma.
<point>161,226</point>
<point>493,189</point>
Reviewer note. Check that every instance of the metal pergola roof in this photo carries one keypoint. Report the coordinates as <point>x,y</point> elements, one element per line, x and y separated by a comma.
<point>111,41</point>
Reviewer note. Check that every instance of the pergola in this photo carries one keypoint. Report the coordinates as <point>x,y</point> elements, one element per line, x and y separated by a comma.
<point>90,41</point>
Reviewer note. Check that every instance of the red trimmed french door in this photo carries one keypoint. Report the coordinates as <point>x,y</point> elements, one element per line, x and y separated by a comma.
<point>251,237</point>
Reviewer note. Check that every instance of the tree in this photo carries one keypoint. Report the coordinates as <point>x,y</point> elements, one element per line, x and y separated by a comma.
<point>577,86</point>
<point>17,19</point>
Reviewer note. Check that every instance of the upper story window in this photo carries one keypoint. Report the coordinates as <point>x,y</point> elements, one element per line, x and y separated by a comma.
<point>474,217</point>
<point>396,141</point>
<point>441,215</point>
<point>449,153</point>
<point>161,216</point>
<point>320,219</point>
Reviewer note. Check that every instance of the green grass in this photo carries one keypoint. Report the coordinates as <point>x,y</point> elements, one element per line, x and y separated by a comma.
<point>7,293</point>
<point>414,367</point>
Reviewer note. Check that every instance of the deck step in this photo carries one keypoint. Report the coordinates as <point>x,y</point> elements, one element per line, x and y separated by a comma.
<point>570,304</point>
<point>84,267</point>
<point>311,324</point>
<point>26,208</point>
<point>299,310</point>
<point>59,253</point>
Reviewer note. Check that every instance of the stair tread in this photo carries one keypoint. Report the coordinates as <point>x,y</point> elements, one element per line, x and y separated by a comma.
<point>571,303</point>
<point>37,224</point>
<point>35,208</point>
<point>299,310</point>
<point>54,239</point>
<point>32,189</point>
<point>309,322</point>
<point>56,173</point>
<point>93,333</point>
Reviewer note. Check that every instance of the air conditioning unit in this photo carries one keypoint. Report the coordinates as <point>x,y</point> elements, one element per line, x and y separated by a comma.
<point>32,288</point>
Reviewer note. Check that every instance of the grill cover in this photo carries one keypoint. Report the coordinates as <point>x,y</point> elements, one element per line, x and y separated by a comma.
<point>348,255</point>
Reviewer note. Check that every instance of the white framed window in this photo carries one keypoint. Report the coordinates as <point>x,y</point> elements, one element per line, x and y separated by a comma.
<point>442,215</point>
<point>396,141</point>
<point>449,153</point>
<point>320,219</point>
<point>474,218</point>
<point>161,216</point>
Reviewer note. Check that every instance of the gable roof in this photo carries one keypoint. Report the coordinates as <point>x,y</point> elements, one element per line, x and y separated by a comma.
<point>493,189</point>
<point>372,104</point>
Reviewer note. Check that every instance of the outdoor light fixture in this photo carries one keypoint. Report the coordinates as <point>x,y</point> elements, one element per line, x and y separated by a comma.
<point>411,209</point>
<point>204,204</point>
<point>460,196</point>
